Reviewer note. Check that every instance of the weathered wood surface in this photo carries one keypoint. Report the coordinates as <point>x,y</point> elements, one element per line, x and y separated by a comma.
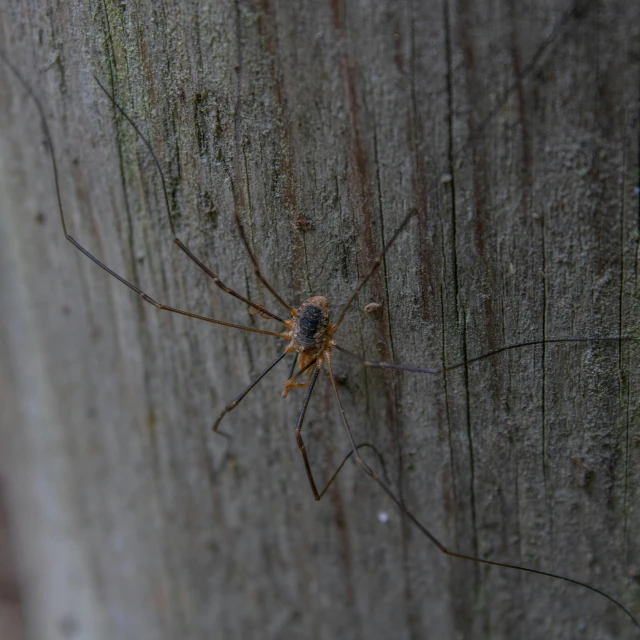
<point>332,119</point>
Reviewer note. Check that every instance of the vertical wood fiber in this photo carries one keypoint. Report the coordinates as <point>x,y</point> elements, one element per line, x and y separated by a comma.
<point>322,124</point>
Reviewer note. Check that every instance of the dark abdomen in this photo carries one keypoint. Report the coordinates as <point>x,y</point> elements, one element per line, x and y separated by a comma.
<point>310,330</point>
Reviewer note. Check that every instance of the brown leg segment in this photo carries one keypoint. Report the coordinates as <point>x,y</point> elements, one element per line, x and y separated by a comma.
<point>299,440</point>
<point>176,240</point>
<point>256,266</point>
<point>159,305</point>
<point>291,384</point>
<point>80,248</point>
<point>238,400</point>
<point>318,495</point>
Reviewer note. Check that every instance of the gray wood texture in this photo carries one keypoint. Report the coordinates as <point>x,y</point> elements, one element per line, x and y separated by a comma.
<point>512,127</point>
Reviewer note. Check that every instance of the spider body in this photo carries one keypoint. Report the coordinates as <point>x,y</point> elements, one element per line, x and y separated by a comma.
<point>310,336</point>
<point>310,327</point>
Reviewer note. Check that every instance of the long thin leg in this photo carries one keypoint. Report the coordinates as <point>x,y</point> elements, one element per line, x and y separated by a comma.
<point>291,382</point>
<point>78,246</point>
<point>454,554</point>
<point>299,440</point>
<point>293,366</point>
<point>532,343</point>
<point>376,263</point>
<point>159,305</point>
<point>297,374</point>
<point>177,240</point>
<point>312,483</point>
<point>256,266</point>
<point>321,494</point>
<point>577,10</point>
<point>529,67</point>
<point>238,400</point>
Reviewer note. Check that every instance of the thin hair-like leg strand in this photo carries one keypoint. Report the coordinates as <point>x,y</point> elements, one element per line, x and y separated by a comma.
<point>291,382</point>
<point>318,495</point>
<point>299,441</point>
<point>293,366</point>
<point>362,445</point>
<point>77,245</point>
<point>299,373</point>
<point>232,405</point>
<point>374,267</point>
<point>423,529</point>
<point>567,17</point>
<point>254,261</point>
<point>578,8</point>
<point>176,240</point>
<point>45,128</point>
<point>457,365</point>
<point>160,305</point>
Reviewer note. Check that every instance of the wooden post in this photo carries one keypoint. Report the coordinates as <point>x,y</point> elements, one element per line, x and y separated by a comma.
<point>511,127</point>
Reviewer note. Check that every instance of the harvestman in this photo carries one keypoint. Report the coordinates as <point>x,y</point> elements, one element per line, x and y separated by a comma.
<point>310,336</point>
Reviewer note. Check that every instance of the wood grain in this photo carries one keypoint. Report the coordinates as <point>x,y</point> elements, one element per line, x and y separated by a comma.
<point>512,127</point>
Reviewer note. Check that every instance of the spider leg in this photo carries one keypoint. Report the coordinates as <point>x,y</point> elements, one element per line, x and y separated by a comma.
<point>425,532</point>
<point>80,248</point>
<point>291,382</point>
<point>566,19</point>
<point>236,402</point>
<point>577,10</point>
<point>344,461</point>
<point>374,267</point>
<point>457,365</point>
<point>219,283</point>
<point>256,266</point>
<point>318,495</point>
<point>177,240</point>
<point>294,385</point>
<point>293,366</point>
<point>160,305</point>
